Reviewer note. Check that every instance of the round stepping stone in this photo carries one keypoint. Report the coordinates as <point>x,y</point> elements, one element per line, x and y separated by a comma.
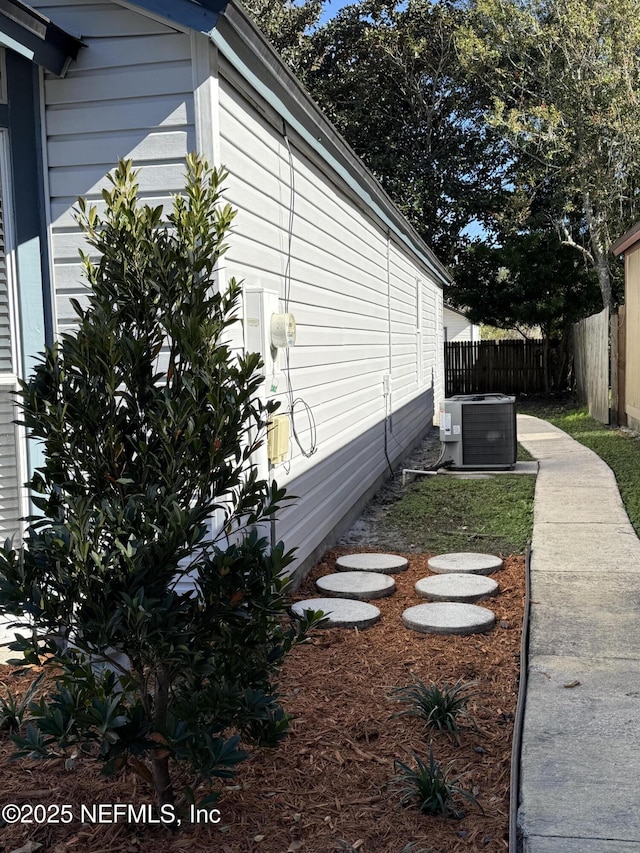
<point>360,585</point>
<point>466,562</point>
<point>456,587</point>
<point>446,617</point>
<point>342,612</point>
<point>371,563</point>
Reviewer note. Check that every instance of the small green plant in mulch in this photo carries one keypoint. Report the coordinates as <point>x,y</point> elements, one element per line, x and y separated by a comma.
<point>430,787</point>
<point>14,709</point>
<point>441,707</point>
<point>345,846</point>
<point>446,513</point>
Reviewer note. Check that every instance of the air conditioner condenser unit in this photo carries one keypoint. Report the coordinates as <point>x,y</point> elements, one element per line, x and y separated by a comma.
<point>479,431</point>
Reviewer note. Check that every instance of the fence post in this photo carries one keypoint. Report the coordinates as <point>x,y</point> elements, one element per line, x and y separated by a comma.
<point>613,370</point>
<point>591,361</point>
<point>622,365</point>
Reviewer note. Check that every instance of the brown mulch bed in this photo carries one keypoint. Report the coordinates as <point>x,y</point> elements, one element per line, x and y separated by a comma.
<point>327,788</point>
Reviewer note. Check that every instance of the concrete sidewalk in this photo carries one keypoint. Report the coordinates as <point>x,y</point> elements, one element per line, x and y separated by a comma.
<point>580,765</point>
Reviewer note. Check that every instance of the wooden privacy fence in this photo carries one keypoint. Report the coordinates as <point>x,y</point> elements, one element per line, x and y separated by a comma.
<point>591,363</point>
<point>507,367</point>
<point>619,367</point>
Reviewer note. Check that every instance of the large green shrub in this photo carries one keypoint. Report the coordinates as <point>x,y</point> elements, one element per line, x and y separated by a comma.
<point>149,423</point>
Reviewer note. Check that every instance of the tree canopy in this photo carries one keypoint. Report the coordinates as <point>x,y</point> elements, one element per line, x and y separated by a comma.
<point>389,77</point>
<point>528,281</point>
<point>565,78</point>
<point>488,121</point>
<point>287,24</point>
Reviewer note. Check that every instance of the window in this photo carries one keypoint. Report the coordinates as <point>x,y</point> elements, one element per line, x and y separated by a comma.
<point>419,336</point>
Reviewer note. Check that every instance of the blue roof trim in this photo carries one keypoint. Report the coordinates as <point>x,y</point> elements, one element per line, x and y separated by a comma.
<point>35,37</point>
<point>200,16</point>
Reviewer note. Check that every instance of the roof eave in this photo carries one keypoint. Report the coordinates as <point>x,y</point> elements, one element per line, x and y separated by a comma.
<point>269,70</point>
<point>202,16</point>
<point>34,36</point>
<point>627,241</point>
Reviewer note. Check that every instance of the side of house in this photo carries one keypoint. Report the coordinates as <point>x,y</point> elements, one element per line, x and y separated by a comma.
<point>155,80</point>
<point>457,327</point>
<point>629,356</point>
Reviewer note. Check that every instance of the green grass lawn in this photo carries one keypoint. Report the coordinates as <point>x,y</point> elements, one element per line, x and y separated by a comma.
<point>524,455</point>
<point>495,515</point>
<point>446,513</point>
<point>620,449</point>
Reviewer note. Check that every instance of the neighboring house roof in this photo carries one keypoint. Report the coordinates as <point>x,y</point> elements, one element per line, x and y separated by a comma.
<point>456,311</point>
<point>35,37</point>
<point>631,238</point>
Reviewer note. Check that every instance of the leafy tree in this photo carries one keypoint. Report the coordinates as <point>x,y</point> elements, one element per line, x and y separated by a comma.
<point>149,422</point>
<point>287,26</point>
<point>389,77</point>
<point>565,76</point>
<point>528,281</point>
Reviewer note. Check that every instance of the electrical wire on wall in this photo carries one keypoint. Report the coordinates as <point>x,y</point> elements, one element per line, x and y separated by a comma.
<point>294,403</point>
<point>387,416</point>
<point>386,382</point>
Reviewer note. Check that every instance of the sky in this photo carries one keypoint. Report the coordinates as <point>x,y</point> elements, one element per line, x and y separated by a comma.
<point>331,7</point>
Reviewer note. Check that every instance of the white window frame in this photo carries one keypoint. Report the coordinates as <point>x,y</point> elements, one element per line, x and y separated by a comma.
<point>419,332</point>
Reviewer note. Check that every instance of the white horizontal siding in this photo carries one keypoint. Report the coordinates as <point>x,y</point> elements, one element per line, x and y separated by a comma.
<point>404,327</point>
<point>138,114</point>
<point>90,20</point>
<point>354,295</point>
<point>128,95</point>
<point>353,289</point>
<point>458,327</point>
<point>149,51</point>
<point>329,489</point>
<point>173,76</point>
<point>85,152</point>
<point>11,508</point>
<point>439,360</point>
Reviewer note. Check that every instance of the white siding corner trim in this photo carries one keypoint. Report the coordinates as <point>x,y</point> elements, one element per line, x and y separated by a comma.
<point>13,472</point>
<point>205,88</point>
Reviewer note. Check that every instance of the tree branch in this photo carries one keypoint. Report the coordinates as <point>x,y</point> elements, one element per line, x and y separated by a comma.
<point>567,240</point>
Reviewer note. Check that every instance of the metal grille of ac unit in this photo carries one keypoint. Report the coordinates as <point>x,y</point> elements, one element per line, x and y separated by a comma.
<point>479,431</point>
<point>489,436</point>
